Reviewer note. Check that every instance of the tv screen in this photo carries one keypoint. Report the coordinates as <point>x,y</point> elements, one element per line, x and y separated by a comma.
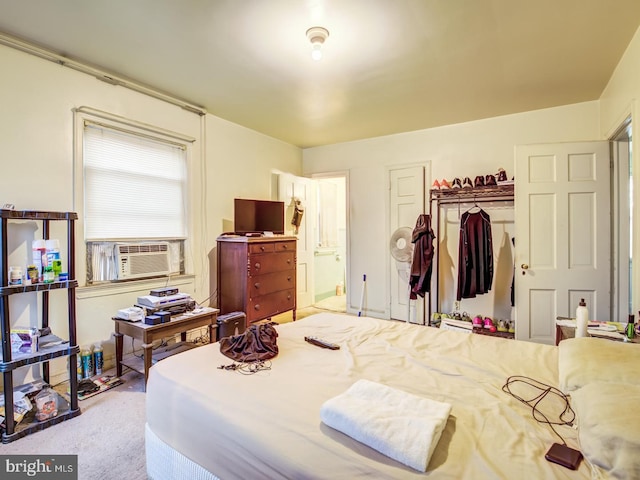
<point>257,216</point>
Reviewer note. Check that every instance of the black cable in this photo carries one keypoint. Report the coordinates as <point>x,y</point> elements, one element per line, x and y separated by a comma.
<point>247,368</point>
<point>544,390</point>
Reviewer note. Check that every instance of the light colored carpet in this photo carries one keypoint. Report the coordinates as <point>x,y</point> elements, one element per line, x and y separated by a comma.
<point>108,436</point>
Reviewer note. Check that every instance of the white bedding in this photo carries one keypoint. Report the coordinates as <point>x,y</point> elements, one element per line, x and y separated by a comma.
<point>268,425</point>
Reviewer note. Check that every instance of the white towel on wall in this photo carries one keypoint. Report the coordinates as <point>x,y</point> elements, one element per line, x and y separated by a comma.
<point>398,424</point>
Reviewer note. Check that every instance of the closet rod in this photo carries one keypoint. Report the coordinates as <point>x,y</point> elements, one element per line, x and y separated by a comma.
<point>471,198</point>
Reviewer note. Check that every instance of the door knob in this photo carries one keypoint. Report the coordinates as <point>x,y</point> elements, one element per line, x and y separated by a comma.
<point>524,266</point>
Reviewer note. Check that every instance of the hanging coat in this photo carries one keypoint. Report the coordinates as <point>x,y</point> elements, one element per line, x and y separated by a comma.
<point>475,255</point>
<point>422,262</point>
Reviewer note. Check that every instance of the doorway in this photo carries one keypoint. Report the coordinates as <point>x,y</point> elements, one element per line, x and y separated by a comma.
<point>622,222</point>
<point>330,251</point>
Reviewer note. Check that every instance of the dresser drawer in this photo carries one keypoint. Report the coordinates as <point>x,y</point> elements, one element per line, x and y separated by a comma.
<point>285,247</point>
<point>266,306</point>
<point>276,262</point>
<point>271,282</point>
<point>266,247</point>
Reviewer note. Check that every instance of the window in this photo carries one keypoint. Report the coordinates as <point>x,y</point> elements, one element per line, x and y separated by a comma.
<point>135,202</point>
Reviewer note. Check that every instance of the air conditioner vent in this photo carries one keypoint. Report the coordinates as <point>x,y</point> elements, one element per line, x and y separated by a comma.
<point>139,260</point>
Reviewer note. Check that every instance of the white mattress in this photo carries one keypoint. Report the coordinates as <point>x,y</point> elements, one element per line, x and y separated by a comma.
<point>267,425</point>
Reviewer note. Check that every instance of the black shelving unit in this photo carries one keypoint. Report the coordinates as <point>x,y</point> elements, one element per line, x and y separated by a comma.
<point>51,346</point>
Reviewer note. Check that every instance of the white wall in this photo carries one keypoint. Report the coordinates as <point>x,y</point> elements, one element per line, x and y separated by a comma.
<point>37,163</point>
<point>468,149</point>
<point>618,101</point>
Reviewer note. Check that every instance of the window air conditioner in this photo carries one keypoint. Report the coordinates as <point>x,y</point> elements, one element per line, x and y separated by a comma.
<point>138,260</point>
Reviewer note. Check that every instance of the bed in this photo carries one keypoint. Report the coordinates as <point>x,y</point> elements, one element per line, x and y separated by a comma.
<point>204,422</point>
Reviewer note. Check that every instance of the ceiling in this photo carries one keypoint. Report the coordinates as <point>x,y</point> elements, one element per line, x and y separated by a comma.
<point>389,66</point>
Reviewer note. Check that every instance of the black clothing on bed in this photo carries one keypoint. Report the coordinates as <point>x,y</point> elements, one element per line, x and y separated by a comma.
<point>422,262</point>
<point>475,255</point>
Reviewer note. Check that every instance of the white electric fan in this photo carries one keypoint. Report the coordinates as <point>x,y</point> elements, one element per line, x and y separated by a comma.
<point>401,250</point>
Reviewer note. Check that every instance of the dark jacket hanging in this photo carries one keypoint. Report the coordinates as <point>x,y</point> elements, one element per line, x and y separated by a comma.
<point>475,255</point>
<point>422,262</point>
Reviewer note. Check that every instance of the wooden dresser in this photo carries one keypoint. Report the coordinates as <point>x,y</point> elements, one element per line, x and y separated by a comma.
<point>256,275</point>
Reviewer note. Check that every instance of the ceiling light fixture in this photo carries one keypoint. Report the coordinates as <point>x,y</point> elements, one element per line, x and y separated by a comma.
<point>317,36</point>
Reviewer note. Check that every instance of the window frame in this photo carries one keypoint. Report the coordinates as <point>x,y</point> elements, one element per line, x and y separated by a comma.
<point>82,115</point>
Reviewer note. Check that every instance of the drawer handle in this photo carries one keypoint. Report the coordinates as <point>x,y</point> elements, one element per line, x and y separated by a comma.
<point>289,297</point>
<point>288,260</point>
<point>289,278</point>
<point>262,247</point>
<point>256,307</point>
<point>257,285</point>
<point>257,265</point>
<point>285,246</point>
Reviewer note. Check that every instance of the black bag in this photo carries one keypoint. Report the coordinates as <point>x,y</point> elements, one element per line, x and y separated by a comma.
<point>258,342</point>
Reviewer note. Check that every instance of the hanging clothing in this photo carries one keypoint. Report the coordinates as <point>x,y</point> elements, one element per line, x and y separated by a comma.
<point>475,255</point>
<point>422,262</point>
<point>513,279</point>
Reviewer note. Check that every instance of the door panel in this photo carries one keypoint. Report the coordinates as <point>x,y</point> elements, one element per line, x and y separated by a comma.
<point>406,203</point>
<point>291,188</point>
<point>562,235</point>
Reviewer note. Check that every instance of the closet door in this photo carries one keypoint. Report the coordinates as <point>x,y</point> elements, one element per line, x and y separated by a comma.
<point>406,203</point>
<point>562,241</point>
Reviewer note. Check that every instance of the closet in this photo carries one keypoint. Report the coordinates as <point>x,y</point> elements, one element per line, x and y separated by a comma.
<point>465,200</point>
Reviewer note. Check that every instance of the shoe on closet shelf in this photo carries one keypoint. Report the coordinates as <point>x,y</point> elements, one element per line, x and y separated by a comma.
<point>436,185</point>
<point>444,185</point>
<point>466,183</point>
<point>488,323</point>
<point>456,183</point>
<point>502,175</point>
<point>490,181</point>
<point>503,326</point>
<point>479,181</point>
<point>512,326</point>
<point>478,321</point>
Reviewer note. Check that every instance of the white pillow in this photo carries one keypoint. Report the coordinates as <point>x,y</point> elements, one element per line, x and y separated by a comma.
<point>585,360</point>
<point>609,426</point>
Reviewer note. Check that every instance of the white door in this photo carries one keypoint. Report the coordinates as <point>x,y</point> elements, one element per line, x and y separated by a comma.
<point>290,189</point>
<point>406,203</point>
<point>562,235</point>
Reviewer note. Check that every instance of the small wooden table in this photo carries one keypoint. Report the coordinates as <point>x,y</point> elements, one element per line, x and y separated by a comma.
<point>565,331</point>
<point>149,333</point>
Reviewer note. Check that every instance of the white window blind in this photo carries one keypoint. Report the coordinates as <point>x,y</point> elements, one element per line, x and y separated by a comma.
<point>134,185</point>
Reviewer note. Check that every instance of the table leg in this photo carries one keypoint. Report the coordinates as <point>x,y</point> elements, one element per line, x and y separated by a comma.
<point>212,332</point>
<point>118,354</point>
<point>148,351</point>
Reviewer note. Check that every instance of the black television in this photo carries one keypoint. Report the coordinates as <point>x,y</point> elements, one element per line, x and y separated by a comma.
<point>258,216</point>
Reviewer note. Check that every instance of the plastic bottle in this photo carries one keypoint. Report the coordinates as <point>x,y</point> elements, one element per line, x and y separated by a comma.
<point>53,257</point>
<point>630,331</point>
<point>79,367</point>
<point>87,362</point>
<point>582,319</point>
<point>98,359</point>
<point>15,275</point>
<point>39,257</point>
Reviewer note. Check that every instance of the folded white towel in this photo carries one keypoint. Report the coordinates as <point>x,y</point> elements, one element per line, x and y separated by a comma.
<point>398,424</point>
